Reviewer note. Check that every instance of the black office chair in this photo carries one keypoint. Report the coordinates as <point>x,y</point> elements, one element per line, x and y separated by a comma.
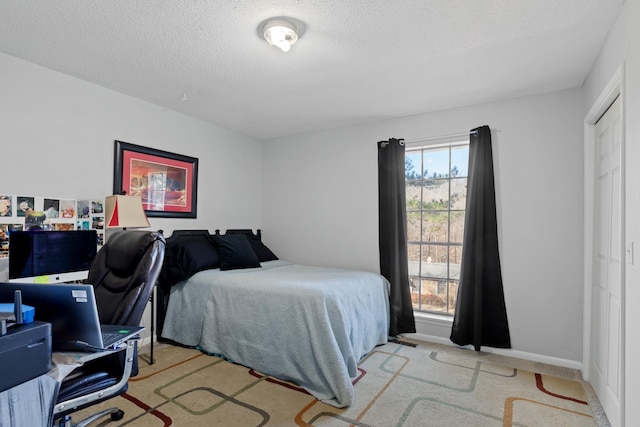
<point>123,274</point>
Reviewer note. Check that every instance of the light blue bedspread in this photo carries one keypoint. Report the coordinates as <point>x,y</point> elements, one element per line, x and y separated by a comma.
<point>309,325</point>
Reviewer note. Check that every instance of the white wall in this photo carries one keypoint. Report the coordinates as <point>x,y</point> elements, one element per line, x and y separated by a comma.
<point>57,139</point>
<point>320,205</point>
<point>621,49</point>
<point>57,134</point>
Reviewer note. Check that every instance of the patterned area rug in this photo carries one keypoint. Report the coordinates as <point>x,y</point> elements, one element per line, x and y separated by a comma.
<point>398,385</point>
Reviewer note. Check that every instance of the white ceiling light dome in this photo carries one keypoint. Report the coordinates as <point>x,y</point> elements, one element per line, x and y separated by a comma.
<point>281,32</point>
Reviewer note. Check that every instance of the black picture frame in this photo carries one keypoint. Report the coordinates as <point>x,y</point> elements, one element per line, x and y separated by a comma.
<point>167,182</point>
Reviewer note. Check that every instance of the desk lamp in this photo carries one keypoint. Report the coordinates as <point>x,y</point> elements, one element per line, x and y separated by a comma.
<point>125,212</point>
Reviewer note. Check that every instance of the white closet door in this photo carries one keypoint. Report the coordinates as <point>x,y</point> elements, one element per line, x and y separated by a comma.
<point>608,258</point>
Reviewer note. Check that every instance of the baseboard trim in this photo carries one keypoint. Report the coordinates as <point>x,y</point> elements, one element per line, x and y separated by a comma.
<point>533,357</point>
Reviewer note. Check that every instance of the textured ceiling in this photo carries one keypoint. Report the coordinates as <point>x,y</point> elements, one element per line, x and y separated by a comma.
<point>357,61</point>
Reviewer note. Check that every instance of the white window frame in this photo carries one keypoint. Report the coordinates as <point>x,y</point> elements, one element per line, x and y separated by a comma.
<point>450,143</point>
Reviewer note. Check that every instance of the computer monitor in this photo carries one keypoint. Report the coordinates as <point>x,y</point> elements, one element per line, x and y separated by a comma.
<point>37,256</point>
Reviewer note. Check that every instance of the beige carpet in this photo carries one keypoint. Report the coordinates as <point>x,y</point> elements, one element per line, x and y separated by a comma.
<point>398,385</point>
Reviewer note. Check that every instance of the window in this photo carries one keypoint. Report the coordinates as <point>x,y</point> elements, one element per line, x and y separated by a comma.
<point>436,189</point>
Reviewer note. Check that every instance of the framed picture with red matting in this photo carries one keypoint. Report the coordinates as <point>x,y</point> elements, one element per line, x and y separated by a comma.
<point>166,182</point>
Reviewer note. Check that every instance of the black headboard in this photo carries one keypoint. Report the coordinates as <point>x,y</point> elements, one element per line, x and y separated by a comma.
<point>249,232</point>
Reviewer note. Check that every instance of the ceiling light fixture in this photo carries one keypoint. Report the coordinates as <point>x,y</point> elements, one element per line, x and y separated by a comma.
<point>280,32</point>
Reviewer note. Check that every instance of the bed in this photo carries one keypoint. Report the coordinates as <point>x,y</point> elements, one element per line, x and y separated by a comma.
<point>229,295</point>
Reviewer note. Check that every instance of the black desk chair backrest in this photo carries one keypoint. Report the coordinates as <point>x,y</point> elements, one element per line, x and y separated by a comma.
<point>123,274</point>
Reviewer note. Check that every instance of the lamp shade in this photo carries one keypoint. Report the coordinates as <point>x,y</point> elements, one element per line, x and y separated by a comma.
<point>125,212</point>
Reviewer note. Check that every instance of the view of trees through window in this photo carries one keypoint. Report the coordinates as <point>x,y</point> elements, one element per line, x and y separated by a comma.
<point>436,190</point>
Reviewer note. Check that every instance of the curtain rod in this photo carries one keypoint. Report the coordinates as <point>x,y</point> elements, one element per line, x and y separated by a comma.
<point>433,138</point>
<point>453,135</point>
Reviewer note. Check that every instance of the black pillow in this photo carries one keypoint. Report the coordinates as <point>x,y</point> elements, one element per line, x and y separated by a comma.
<point>262,251</point>
<point>197,255</point>
<point>188,255</point>
<point>235,252</point>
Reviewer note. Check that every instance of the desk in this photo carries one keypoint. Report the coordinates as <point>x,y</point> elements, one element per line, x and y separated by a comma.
<point>33,403</point>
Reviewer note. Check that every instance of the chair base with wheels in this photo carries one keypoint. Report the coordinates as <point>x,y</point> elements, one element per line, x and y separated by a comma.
<point>116,415</point>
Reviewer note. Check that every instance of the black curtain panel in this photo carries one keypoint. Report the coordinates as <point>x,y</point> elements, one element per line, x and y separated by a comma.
<point>481,315</point>
<point>393,234</point>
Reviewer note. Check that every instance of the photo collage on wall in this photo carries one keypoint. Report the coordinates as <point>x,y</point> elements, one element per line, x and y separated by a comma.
<point>26,212</point>
<point>91,217</point>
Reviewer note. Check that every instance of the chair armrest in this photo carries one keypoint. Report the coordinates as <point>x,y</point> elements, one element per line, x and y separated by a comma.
<point>105,392</point>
